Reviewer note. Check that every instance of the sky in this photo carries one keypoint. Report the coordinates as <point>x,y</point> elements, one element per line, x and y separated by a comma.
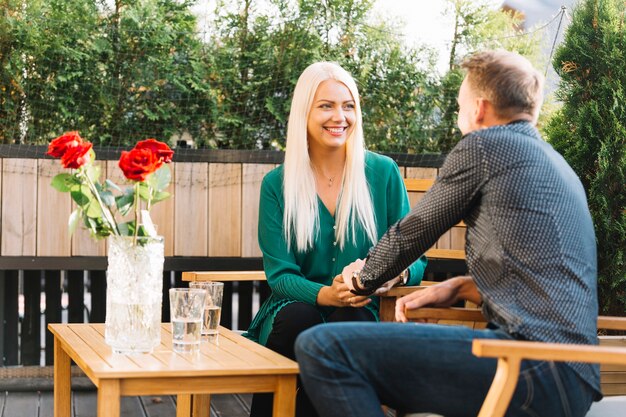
<point>424,21</point>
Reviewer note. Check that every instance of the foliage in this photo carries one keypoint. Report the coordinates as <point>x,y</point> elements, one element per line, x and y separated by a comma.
<point>119,71</point>
<point>476,26</point>
<point>590,131</point>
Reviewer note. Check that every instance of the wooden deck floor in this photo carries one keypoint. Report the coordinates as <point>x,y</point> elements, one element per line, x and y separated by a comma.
<point>40,404</point>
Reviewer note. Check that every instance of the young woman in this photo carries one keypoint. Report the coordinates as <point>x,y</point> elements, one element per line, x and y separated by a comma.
<point>326,206</point>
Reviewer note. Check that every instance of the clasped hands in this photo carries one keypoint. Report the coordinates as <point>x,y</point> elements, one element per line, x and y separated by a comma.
<point>443,294</point>
<point>339,294</point>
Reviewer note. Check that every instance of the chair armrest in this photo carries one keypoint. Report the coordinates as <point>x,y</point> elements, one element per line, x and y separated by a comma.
<point>548,351</point>
<point>450,313</point>
<point>224,276</point>
<point>510,354</point>
<point>612,323</point>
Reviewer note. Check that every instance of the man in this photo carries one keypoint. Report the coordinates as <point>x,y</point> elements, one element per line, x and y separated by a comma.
<point>531,256</point>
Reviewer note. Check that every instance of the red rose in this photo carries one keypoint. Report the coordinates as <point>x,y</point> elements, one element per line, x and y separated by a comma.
<point>139,163</point>
<point>76,156</point>
<point>59,146</point>
<point>162,151</point>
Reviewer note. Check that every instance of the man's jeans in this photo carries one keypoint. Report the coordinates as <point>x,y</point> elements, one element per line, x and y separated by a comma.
<point>350,369</point>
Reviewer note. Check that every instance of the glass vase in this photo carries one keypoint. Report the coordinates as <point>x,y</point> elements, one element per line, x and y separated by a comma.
<point>134,294</point>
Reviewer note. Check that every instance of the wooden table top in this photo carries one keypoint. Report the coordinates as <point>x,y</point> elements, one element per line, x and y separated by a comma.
<point>235,355</point>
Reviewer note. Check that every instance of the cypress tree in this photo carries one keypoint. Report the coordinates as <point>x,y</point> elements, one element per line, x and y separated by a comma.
<point>590,132</point>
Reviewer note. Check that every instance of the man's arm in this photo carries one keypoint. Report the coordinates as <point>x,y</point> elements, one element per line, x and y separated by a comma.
<point>448,201</point>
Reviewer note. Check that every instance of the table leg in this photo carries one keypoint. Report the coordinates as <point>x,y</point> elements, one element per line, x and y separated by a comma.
<point>62,381</point>
<point>200,405</point>
<point>285,396</point>
<point>109,398</point>
<point>183,405</point>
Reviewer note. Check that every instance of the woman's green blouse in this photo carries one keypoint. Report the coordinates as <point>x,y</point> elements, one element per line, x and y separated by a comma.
<point>299,276</point>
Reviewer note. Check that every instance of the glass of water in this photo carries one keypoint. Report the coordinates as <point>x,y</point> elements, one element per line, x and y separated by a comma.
<point>186,310</point>
<point>212,307</point>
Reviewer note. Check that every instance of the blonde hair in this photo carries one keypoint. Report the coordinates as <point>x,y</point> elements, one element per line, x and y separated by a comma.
<point>507,80</point>
<point>301,213</point>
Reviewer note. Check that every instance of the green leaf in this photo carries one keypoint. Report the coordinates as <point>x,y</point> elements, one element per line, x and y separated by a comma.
<point>144,191</point>
<point>126,228</point>
<point>125,201</point>
<point>160,196</point>
<point>161,179</point>
<point>111,184</point>
<point>81,195</point>
<point>93,210</point>
<point>107,198</point>
<point>73,221</point>
<point>63,182</point>
<point>93,172</point>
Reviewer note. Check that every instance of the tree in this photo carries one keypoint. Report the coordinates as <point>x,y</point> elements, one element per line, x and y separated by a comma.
<point>117,76</point>
<point>158,74</point>
<point>476,26</point>
<point>590,131</point>
<point>259,59</point>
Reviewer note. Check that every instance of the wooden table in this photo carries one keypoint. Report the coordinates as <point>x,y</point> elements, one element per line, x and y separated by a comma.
<point>237,365</point>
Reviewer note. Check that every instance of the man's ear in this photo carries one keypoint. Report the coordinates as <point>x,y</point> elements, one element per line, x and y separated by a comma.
<point>480,110</point>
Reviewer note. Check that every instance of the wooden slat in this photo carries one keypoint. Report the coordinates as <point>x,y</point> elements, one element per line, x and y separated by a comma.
<point>19,203</point>
<point>31,324</point>
<point>421,173</point>
<point>548,351</point>
<point>162,215</point>
<point>224,209</point>
<point>457,238</point>
<point>445,254</point>
<point>98,296</point>
<point>252,176</point>
<point>452,313</point>
<point>444,241</point>
<point>613,389</point>
<point>418,185</point>
<point>224,276</point>
<point>53,210</point>
<point>191,209</point>
<point>53,308</point>
<point>9,280</point>
<point>612,323</point>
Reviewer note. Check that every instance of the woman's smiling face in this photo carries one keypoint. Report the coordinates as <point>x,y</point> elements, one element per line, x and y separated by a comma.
<point>332,116</point>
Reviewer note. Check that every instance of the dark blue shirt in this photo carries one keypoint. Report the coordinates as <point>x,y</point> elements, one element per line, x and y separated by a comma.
<point>530,240</point>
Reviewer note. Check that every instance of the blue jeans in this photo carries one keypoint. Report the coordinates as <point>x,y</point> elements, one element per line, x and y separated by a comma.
<point>350,369</point>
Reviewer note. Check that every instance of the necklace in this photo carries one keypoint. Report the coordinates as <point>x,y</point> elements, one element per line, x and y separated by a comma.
<point>331,180</point>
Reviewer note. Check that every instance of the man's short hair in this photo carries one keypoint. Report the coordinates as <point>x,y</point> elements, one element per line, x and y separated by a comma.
<point>507,80</point>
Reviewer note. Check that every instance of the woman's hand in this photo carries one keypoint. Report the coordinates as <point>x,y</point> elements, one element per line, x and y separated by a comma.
<point>338,295</point>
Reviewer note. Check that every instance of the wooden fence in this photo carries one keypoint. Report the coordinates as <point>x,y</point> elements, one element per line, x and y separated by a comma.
<point>213,211</point>
<point>210,223</point>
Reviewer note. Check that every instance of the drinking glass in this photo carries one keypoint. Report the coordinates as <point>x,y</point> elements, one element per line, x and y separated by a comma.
<point>186,310</point>
<point>212,307</point>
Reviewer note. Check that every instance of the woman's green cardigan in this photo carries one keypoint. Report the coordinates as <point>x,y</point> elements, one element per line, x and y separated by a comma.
<point>296,276</point>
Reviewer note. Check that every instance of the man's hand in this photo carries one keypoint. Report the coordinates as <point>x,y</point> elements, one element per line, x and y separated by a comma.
<point>387,286</point>
<point>444,294</point>
<point>349,269</point>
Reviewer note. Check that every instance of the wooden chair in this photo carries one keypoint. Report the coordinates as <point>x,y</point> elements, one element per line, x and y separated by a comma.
<point>511,353</point>
<point>611,355</point>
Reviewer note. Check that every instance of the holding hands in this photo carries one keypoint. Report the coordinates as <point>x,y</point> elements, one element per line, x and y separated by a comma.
<point>338,295</point>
